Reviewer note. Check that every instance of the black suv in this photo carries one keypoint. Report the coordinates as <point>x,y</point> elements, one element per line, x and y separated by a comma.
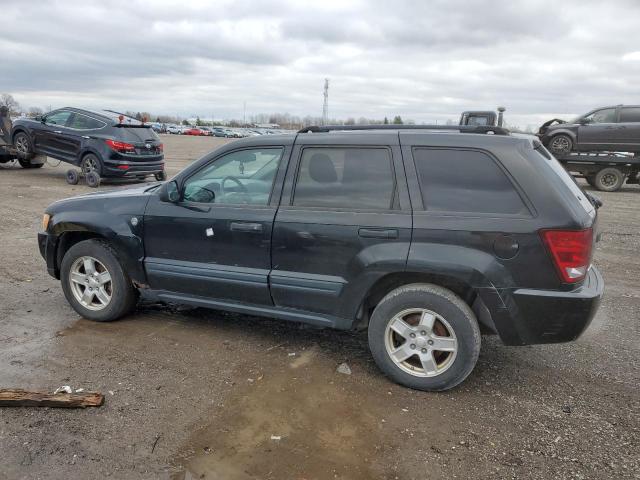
<point>108,143</point>
<point>425,236</point>
<point>614,128</point>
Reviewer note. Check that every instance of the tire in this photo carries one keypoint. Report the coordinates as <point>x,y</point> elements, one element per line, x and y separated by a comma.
<point>72,177</point>
<point>608,180</point>
<point>28,164</point>
<point>23,145</point>
<point>161,176</point>
<point>453,326</point>
<point>121,294</point>
<point>561,144</point>
<point>91,163</point>
<point>93,179</point>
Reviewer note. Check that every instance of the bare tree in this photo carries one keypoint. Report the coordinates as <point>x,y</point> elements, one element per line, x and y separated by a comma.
<point>35,111</point>
<point>7,100</point>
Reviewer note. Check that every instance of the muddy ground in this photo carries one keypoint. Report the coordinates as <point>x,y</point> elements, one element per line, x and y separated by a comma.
<point>203,394</point>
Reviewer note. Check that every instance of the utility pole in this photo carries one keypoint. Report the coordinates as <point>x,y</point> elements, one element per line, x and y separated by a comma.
<point>244,114</point>
<point>325,105</point>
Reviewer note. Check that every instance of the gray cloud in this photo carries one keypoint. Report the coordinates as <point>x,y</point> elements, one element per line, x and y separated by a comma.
<point>423,60</point>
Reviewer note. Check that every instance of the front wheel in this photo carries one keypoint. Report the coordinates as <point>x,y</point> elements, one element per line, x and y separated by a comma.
<point>23,145</point>
<point>424,337</point>
<point>94,282</point>
<point>561,145</point>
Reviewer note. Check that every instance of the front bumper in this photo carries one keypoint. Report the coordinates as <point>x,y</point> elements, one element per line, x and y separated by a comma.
<point>47,245</point>
<point>528,316</point>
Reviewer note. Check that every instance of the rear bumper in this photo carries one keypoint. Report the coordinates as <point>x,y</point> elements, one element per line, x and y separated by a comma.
<point>116,168</point>
<point>528,316</point>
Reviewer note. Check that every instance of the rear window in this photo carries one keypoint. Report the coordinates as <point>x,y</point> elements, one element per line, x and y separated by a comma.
<point>465,181</point>
<point>565,176</point>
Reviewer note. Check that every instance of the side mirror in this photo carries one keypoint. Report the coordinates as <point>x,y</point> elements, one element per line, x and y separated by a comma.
<point>170,192</point>
<point>38,118</point>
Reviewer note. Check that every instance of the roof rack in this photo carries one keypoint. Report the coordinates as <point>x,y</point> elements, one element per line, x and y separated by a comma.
<point>485,129</point>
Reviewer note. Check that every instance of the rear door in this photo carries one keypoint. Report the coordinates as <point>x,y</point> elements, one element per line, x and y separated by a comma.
<point>343,223</point>
<point>629,128</point>
<point>600,131</point>
<point>80,127</point>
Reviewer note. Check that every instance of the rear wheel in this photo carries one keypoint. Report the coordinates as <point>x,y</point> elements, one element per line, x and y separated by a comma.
<point>425,337</point>
<point>91,163</point>
<point>561,144</point>
<point>94,282</point>
<point>609,179</point>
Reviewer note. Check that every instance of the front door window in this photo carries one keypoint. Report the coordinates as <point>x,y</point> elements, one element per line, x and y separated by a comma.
<point>606,115</point>
<point>58,118</point>
<point>244,177</point>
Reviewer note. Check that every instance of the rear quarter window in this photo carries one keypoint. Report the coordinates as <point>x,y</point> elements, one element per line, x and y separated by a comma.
<point>465,181</point>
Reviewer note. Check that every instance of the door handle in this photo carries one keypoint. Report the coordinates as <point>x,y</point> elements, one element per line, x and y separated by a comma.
<point>246,227</point>
<point>57,131</point>
<point>86,136</point>
<point>388,233</point>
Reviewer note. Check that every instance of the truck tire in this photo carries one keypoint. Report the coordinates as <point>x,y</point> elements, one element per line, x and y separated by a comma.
<point>424,337</point>
<point>561,144</point>
<point>94,282</point>
<point>609,179</point>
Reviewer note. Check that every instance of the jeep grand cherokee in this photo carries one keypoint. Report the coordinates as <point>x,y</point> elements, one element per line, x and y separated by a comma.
<point>426,236</point>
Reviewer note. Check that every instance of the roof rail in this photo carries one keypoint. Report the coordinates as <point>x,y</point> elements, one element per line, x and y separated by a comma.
<point>460,128</point>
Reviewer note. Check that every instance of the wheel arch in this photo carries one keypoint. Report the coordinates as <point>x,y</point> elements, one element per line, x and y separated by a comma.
<point>470,295</point>
<point>127,246</point>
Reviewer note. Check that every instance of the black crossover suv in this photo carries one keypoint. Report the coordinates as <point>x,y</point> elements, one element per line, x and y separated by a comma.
<point>108,143</point>
<point>424,236</point>
<point>614,129</point>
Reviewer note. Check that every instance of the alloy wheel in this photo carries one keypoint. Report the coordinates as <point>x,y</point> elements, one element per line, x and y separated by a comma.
<point>22,144</point>
<point>91,283</point>
<point>421,342</point>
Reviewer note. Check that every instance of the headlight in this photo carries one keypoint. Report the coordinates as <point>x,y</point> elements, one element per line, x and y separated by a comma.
<point>45,221</point>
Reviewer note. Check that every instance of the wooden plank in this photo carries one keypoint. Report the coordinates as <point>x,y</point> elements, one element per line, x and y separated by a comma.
<point>24,398</point>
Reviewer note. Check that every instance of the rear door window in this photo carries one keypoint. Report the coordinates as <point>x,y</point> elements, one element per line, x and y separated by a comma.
<point>345,178</point>
<point>630,114</point>
<point>83,122</point>
<point>465,181</point>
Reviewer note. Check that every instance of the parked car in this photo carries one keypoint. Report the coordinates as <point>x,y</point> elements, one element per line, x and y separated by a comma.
<point>372,228</point>
<point>220,132</point>
<point>195,131</point>
<point>174,129</point>
<point>615,128</point>
<point>108,143</point>
<point>207,131</point>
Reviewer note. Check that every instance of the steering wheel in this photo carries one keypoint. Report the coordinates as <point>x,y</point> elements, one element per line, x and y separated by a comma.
<point>243,189</point>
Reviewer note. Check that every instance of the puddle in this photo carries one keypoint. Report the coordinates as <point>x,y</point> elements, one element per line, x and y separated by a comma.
<point>304,422</point>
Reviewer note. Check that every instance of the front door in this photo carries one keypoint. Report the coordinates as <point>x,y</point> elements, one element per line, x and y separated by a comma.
<point>49,137</point>
<point>599,131</point>
<point>344,222</point>
<point>215,243</point>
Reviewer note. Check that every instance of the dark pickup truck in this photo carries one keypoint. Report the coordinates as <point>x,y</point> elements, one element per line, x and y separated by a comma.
<point>351,227</point>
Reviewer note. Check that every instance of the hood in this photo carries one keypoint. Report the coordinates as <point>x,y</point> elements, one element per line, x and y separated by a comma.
<point>124,201</point>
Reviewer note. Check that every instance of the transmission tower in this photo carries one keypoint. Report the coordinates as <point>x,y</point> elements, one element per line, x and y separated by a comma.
<point>325,105</point>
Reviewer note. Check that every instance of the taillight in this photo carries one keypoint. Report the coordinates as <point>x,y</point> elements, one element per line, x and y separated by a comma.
<point>570,251</point>
<point>121,147</point>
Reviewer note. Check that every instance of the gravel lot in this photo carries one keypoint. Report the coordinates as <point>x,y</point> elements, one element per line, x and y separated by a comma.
<point>199,394</point>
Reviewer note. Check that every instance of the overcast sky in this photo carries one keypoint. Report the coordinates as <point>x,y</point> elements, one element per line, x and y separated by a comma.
<point>424,60</point>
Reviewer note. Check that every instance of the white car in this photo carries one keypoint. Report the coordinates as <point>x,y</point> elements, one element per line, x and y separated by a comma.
<point>174,129</point>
